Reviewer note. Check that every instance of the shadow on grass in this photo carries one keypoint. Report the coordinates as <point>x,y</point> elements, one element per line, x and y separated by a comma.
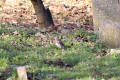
<point>105,67</point>
<point>84,66</point>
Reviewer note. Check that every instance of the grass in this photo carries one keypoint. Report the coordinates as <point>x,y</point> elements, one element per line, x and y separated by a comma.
<point>79,62</point>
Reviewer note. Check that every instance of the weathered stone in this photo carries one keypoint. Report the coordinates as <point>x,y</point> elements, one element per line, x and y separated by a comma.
<point>21,71</point>
<point>106,18</point>
<point>109,33</point>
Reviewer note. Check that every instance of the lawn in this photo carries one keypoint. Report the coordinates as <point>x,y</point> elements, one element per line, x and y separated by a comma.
<point>22,44</point>
<point>84,59</point>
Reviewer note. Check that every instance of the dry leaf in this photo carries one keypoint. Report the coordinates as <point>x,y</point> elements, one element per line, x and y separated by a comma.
<point>15,33</point>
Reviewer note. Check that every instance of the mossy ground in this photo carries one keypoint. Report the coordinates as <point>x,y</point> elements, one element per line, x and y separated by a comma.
<point>81,61</point>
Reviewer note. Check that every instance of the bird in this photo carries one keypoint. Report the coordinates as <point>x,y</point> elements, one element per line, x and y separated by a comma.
<point>59,43</point>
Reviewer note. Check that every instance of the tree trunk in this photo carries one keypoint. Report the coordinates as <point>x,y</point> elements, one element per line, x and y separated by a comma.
<point>106,20</point>
<point>44,17</point>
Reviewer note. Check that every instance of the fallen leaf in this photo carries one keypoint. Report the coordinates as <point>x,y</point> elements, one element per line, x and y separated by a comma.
<point>15,33</point>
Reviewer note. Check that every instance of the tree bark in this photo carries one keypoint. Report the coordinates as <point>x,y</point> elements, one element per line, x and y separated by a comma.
<point>106,20</point>
<point>44,17</point>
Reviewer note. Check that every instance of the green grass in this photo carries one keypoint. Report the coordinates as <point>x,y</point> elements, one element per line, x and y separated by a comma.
<point>22,49</point>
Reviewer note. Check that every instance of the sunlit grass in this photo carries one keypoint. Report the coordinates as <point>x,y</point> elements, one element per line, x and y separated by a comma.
<point>22,49</point>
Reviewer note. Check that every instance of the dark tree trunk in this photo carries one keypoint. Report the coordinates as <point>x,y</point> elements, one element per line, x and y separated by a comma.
<point>44,17</point>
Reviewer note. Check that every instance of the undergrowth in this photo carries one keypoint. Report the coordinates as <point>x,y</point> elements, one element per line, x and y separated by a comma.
<point>81,61</point>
